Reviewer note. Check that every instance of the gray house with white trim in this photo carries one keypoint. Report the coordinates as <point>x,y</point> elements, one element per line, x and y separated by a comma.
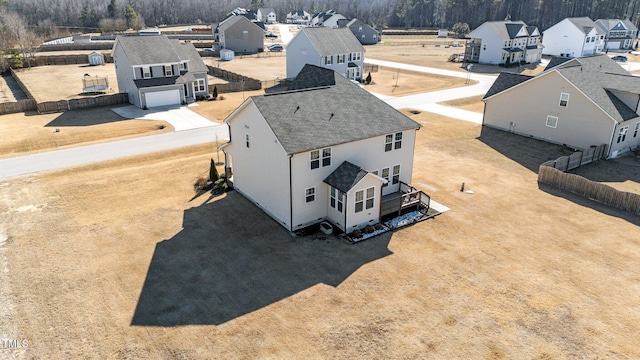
<point>365,33</point>
<point>324,150</point>
<point>157,71</point>
<point>619,34</point>
<point>240,34</point>
<point>578,103</point>
<point>335,49</point>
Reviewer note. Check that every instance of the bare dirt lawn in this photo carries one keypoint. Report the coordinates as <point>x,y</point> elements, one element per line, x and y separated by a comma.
<point>50,83</point>
<point>32,132</point>
<point>472,103</point>
<point>120,260</point>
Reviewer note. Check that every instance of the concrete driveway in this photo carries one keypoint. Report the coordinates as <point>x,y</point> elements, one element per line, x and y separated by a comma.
<point>180,117</point>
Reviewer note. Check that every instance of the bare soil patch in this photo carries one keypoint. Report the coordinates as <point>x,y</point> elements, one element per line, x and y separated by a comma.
<point>30,132</point>
<point>131,265</point>
<point>472,103</point>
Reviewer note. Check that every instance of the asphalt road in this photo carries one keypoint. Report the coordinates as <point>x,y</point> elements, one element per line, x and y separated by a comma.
<point>80,155</point>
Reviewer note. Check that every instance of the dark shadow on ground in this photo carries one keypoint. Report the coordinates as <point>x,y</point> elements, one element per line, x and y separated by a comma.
<point>525,69</point>
<point>582,201</point>
<point>526,151</point>
<point>14,88</point>
<point>625,168</point>
<point>231,259</point>
<point>86,117</point>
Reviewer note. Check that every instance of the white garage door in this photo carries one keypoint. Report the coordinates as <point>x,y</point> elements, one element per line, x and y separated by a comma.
<point>162,98</point>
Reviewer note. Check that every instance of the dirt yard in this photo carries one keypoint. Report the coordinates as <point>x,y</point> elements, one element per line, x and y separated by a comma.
<point>121,260</point>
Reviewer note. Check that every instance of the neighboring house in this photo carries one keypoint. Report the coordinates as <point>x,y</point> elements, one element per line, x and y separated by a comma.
<point>573,37</point>
<point>240,34</point>
<point>327,19</point>
<point>578,102</point>
<point>504,43</point>
<point>266,15</point>
<point>619,34</point>
<point>366,34</point>
<point>157,71</point>
<point>316,153</point>
<point>300,17</point>
<point>335,49</point>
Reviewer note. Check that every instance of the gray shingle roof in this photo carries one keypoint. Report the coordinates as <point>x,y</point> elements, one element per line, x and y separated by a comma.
<point>505,81</point>
<point>555,61</point>
<point>312,119</point>
<point>585,24</point>
<point>330,41</point>
<point>505,29</point>
<point>346,176</point>
<point>597,76</point>
<point>159,49</point>
<point>312,76</point>
<point>609,24</point>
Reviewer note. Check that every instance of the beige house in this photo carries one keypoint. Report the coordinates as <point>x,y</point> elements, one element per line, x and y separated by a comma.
<point>575,102</point>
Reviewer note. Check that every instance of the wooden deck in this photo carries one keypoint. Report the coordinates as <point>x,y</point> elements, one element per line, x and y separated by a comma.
<point>406,197</point>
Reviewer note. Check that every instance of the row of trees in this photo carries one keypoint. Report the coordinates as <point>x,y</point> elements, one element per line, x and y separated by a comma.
<point>41,14</point>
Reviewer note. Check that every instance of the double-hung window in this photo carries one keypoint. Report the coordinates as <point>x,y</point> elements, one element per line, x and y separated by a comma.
<point>564,99</point>
<point>168,70</point>
<point>200,85</point>
<point>396,174</point>
<point>318,157</point>
<point>328,60</point>
<point>146,72</point>
<point>359,201</point>
<point>310,194</point>
<point>637,128</point>
<point>622,134</point>
<point>335,199</point>
<point>393,142</point>
<point>385,175</point>
<point>341,59</point>
<point>371,194</point>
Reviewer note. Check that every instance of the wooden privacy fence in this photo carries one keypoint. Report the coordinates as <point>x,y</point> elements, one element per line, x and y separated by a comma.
<point>66,59</point>
<point>578,158</point>
<point>601,193</point>
<point>84,103</point>
<point>18,106</point>
<point>236,83</point>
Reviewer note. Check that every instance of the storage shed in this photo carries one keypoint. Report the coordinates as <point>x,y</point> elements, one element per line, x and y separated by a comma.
<point>96,59</point>
<point>226,55</point>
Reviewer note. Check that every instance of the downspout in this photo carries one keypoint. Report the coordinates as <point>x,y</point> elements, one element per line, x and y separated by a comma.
<point>344,206</point>
<point>227,170</point>
<point>290,196</point>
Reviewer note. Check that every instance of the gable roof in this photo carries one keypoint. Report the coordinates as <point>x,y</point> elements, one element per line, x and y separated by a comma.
<point>330,41</point>
<point>346,176</point>
<point>598,77</point>
<point>555,61</point>
<point>505,81</point>
<point>585,24</point>
<point>609,24</point>
<point>322,115</point>
<point>266,11</point>
<point>159,49</point>
<point>234,19</point>
<point>505,29</point>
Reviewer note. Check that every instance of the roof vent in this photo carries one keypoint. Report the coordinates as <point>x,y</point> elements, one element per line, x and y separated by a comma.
<point>297,108</point>
<point>331,117</point>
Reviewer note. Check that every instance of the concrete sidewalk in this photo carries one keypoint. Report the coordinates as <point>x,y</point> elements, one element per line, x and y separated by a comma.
<point>180,117</point>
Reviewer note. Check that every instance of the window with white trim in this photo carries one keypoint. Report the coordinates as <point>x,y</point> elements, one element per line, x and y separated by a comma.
<point>370,197</point>
<point>385,175</point>
<point>396,174</point>
<point>316,161</point>
<point>356,56</point>
<point>246,139</point>
<point>335,199</point>
<point>622,134</point>
<point>363,36</point>
<point>200,85</point>
<point>552,121</point>
<point>168,70</point>
<point>636,129</point>
<point>310,194</point>
<point>341,59</point>
<point>564,99</point>
<point>359,201</point>
<point>393,141</point>
<point>146,72</point>
<point>183,66</point>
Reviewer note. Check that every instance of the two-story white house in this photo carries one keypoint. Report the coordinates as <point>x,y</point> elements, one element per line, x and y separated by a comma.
<point>335,49</point>
<point>619,34</point>
<point>300,17</point>
<point>157,71</point>
<point>504,43</point>
<point>573,37</point>
<point>266,15</point>
<point>323,150</point>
